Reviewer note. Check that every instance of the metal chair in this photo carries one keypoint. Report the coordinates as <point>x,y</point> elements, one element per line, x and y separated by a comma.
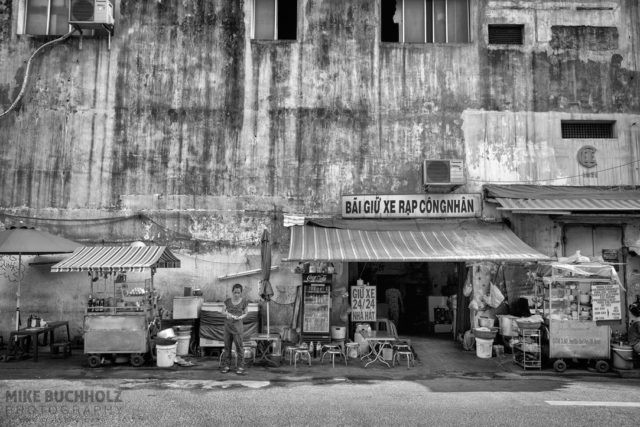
<point>333,350</point>
<point>403,350</point>
<point>301,353</point>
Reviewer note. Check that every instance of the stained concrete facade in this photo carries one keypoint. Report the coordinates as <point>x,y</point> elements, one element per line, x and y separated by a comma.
<point>184,131</point>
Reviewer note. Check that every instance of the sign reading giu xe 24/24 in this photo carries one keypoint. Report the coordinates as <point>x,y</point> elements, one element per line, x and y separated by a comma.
<point>412,206</point>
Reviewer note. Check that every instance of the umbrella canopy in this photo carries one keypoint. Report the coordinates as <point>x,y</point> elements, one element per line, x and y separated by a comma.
<point>29,241</point>
<point>266,292</point>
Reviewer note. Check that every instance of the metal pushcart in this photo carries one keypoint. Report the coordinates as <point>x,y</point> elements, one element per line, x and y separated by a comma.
<point>578,299</point>
<point>119,327</point>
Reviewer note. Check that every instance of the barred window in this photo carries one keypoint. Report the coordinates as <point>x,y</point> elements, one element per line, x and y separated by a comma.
<point>587,129</point>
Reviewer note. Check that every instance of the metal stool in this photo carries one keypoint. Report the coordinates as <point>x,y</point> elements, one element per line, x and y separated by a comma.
<point>403,350</point>
<point>332,350</point>
<point>288,353</point>
<point>350,346</point>
<point>234,355</point>
<point>302,353</point>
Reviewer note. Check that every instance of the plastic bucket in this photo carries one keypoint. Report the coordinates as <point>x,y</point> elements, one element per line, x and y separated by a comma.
<point>166,355</point>
<point>338,332</point>
<point>484,348</point>
<point>622,356</point>
<point>183,345</point>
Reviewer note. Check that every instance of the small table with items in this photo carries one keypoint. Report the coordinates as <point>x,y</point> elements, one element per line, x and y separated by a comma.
<point>266,348</point>
<point>378,341</point>
<point>22,339</point>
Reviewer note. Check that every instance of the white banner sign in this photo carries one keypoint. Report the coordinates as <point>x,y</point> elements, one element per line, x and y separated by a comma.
<point>363,303</point>
<point>605,302</point>
<point>412,206</point>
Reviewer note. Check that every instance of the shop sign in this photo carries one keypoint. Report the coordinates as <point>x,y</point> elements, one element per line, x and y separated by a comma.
<point>605,301</point>
<point>412,206</point>
<point>363,303</point>
<point>574,338</point>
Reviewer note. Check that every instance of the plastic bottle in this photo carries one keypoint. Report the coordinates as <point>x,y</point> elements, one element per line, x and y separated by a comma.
<point>311,348</point>
<point>318,349</point>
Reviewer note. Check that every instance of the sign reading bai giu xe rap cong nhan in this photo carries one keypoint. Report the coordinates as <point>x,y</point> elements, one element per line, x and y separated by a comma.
<point>412,206</point>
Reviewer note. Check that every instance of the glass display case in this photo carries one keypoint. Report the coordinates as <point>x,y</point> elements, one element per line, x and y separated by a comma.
<point>316,305</point>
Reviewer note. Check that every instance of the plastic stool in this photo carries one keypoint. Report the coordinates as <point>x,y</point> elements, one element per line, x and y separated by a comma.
<point>301,353</point>
<point>234,355</point>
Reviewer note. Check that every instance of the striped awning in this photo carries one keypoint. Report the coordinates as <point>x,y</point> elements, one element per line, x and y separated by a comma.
<point>479,242</point>
<point>550,205</point>
<point>127,258</point>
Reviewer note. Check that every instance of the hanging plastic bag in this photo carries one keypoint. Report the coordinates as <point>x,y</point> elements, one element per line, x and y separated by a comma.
<point>495,296</point>
<point>468,341</point>
<point>468,288</point>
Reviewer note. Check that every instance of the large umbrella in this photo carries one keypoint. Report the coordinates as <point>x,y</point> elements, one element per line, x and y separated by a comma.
<point>29,241</point>
<point>266,292</point>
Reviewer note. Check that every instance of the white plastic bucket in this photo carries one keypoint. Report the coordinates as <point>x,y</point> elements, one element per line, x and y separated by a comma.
<point>338,332</point>
<point>183,345</point>
<point>166,355</point>
<point>483,348</point>
<point>622,356</point>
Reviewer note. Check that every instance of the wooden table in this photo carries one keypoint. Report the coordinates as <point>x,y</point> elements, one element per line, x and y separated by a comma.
<point>264,344</point>
<point>19,340</point>
<point>380,340</point>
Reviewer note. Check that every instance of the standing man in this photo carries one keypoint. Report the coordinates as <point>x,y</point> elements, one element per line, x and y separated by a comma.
<point>393,297</point>
<point>236,310</point>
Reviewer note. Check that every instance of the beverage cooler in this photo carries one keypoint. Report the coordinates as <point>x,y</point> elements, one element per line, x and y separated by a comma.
<point>316,307</point>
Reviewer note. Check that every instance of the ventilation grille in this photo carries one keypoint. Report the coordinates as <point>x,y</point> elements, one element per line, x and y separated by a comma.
<point>506,34</point>
<point>82,10</point>
<point>587,130</point>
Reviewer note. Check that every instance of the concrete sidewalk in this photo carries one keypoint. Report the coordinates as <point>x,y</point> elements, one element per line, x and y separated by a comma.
<point>438,357</point>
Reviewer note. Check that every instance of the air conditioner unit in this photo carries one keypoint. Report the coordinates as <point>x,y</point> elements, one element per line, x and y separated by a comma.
<point>89,13</point>
<point>443,172</point>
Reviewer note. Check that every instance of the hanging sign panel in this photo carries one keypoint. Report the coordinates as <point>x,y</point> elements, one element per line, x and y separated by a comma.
<point>605,301</point>
<point>412,206</point>
<point>363,303</point>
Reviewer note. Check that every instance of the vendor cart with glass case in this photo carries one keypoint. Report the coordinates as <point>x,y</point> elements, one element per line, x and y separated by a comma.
<point>121,317</point>
<point>577,300</point>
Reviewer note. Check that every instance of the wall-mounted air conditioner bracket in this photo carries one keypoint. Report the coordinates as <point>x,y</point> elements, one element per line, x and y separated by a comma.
<point>440,188</point>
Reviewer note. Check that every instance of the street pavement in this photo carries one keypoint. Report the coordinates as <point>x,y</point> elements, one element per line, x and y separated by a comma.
<point>437,357</point>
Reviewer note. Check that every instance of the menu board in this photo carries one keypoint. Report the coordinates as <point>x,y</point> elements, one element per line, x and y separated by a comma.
<point>363,303</point>
<point>605,301</point>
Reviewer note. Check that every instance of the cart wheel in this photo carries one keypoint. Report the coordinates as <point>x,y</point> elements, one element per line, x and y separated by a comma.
<point>560,365</point>
<point>602,366</point>
<point>94,361</point>
<point>137,360</point>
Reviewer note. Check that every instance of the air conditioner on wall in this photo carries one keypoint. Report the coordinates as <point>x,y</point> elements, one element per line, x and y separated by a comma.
<point>90,13</point>
<point>443,172</point>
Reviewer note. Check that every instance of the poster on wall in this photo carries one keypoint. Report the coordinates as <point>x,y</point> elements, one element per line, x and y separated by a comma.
<point>605,301</point>
<point>363,303</point>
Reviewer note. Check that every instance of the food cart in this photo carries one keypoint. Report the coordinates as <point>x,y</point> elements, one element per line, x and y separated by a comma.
<point>578,300</point>
<point>120,313</point>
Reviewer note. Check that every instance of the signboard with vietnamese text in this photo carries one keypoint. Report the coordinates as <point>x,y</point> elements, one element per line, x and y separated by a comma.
<point>412,206</point>
<point>579,339</point>
<point>363,303</point>
<point>605,301</point>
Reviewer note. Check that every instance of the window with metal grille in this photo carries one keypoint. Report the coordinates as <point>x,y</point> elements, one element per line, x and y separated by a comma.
<point>588,129</point>
<point>506,34</point>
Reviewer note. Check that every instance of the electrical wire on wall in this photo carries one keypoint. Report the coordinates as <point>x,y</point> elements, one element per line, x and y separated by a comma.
<point>26,72</point>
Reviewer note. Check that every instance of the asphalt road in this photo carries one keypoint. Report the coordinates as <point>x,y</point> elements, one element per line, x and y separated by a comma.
<point>531,401</point>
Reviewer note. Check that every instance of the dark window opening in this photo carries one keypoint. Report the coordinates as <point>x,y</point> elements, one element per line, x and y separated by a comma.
<point>275,19</point>
<point>287,20</point>
<point>47,17</point>
<point>587,129</point>
<point>424,21</point>
<point>506,34</point>
<point>390,30</point>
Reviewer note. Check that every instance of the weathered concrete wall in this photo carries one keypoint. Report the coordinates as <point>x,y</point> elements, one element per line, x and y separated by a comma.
<point>188,133</point>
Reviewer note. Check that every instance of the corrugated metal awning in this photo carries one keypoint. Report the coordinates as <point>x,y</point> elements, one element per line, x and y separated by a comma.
<point>433,242</point>
<point>127,258</point>
<point>568,204</point>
